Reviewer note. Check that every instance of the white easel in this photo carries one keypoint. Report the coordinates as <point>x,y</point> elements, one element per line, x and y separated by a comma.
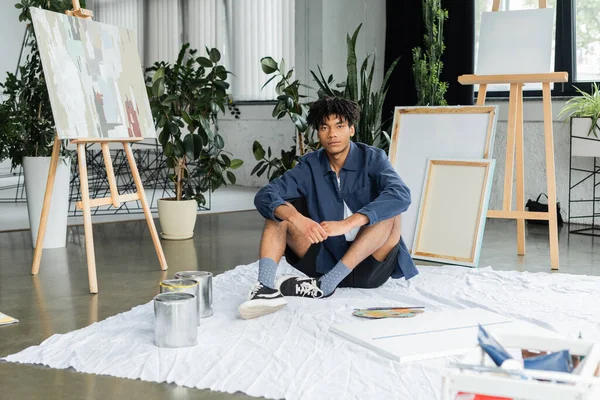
<point>514,140</point>
<point>86,203</point>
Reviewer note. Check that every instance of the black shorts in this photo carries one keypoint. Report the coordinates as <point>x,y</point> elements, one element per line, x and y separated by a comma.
<point>369,274</point>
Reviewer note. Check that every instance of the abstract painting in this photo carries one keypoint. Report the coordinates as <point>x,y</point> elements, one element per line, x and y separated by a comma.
<point>94,78</point>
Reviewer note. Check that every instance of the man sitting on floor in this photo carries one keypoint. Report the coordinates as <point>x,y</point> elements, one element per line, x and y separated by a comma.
<point>335,216</point>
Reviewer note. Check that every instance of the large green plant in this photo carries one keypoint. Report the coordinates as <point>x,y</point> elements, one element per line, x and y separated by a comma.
<point>186,98</point>
<point>27,103</point>
<point>369,130</point>
<point>427,63</point>
<point>586,105</point>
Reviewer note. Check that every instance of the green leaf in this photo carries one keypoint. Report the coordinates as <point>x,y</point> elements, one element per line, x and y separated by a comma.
<point>158,88</point>
<point>204,62</point>
<point>219,143</point>
<point>258,151</point>
<point>170,99</point>
<point>197,145</point>
<point>163,138</point>
<point>171,162</point>
<point>189,146</point>
<point>226,160</point>
<point>236,163</point>
<point>257,167</point>
<point>262,170</point>
<point>168,149</point>
<point>159,74</point>
<point>214,55</point>
<point>178,149</point>
<point>269,81</point>
<point>299,121</point>
<point>231,177</point>
<point>268,65</point>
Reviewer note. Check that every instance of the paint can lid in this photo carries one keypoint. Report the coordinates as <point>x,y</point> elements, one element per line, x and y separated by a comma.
<point>192,274</point>
<point>174,297</point>
<point>178,283</point>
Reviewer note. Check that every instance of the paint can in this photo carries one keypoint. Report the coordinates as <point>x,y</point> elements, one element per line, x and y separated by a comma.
<point>175,320</point>
<point>205,298</point>
<point>182,286</point>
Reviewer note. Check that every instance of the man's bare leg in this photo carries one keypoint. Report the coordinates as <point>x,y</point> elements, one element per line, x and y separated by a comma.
<point>377,240</point>
<point>275,237</point>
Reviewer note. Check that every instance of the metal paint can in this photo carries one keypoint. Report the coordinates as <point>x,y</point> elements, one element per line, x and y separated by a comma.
<point>182,286</point>
<point>175,320</point>
<point>205,298</point>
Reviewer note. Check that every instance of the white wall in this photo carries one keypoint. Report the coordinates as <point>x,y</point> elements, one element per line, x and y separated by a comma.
<point>11,32</point>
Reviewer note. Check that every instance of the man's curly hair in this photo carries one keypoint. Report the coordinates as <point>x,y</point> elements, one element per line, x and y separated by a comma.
<point>344,109</point>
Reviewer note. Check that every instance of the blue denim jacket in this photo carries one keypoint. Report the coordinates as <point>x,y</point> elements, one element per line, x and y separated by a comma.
<point>369,185</point>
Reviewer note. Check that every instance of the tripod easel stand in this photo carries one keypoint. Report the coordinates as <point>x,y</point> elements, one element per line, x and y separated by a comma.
<point>86,203</point>
<point>514,141</point>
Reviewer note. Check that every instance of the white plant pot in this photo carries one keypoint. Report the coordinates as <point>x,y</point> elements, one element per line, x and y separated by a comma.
<point>36,176</point>
<point>583,145</point>
<point>177,218</point>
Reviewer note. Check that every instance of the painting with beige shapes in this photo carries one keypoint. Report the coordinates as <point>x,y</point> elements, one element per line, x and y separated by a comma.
<point>94,78</point>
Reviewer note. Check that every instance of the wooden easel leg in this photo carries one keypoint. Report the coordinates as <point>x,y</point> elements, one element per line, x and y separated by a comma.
<point>481,94</point>
<point>520,171</point>
<point>112,183</point>
<point>39,243</point>
<point>140,188</point>
<point>87,218</point>
<point>550,177</point>
<point>510,148</point>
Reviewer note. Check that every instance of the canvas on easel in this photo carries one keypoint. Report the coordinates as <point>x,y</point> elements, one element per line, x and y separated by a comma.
<point>97,92</point>
<point>517,75</point>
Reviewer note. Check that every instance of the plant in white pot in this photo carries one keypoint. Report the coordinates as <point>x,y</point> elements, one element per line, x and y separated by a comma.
<point>584,114</point>
<point>28,133</point>
<point>186,98</point>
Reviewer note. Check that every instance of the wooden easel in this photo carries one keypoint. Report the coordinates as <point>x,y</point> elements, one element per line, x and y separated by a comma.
<point>514,141</point>
<point>86,203</point>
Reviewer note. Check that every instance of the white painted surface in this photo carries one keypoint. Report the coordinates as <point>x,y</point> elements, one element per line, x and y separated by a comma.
<point>453,212</point>
<point>515,42</point>
<point>36,171</point>
<point>431,335</point>
<point>441,135</point>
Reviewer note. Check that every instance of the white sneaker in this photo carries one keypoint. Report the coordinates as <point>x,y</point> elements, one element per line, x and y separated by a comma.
<point>261,301</point>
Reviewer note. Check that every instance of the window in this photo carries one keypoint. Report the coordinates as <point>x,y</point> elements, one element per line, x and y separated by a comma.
<point>576,42</point>
<point>243,31</point>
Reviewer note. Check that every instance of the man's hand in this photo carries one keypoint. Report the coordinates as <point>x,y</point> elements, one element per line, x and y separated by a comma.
<point>336,228</point>
<point>310,229</point>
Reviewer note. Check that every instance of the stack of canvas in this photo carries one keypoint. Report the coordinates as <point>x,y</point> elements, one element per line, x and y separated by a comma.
<point>443,155</point>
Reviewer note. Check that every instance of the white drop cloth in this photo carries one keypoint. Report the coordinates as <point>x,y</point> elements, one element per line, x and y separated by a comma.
<point>291,354</point>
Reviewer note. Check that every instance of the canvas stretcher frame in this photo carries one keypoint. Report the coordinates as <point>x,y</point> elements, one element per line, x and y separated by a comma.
<point>420,133</point>
<point>441,220</point>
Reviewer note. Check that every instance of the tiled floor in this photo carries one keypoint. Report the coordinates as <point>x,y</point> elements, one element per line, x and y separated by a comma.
<point>57,300</point>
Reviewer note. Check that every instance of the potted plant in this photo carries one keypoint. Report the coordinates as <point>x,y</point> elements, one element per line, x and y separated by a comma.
<point>185,99</point>
<point>584,113</point>
<point>28,133</point>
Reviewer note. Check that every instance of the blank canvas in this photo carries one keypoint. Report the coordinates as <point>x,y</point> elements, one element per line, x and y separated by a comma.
<point>420,133</point>
<point>453,211</point>
<point>515,42</point>
<point>94,78</point>
<point>432,334</point>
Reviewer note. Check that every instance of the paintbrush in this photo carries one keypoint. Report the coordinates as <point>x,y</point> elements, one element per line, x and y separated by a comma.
<point>388,308</point>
